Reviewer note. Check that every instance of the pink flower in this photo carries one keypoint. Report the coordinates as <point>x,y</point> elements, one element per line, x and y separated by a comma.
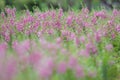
<point>53,14</point>
<point>34,58</point>
<point>115,12</point>
<point>8,69</point>
<point>100,14</point>
<point>45,72</point>
<point>11,69</point>
<point>14,44</point>
<point>26,44</point>
<point>46,67</point>
<point>20,26</point>
<point>79,72</point>
<point>77,41</point>
<point>97,36</point>
<point>85,10</point>
<point>84,52</point>
<point>118,28</point>
<point>58,24</point>
<point>110,22</point>
<point>113,36</point>
<point>60,13</point>
<point>72,36</point>
<point>50,31</point>
<point>82,39</point>
<point>91,48</point>
<point>62,67</point>
<point>65,33</point>
<point>7,36</point>
<point>10,12</point>
<point>58,40</point>
<point>109,47</point>
<point>50,63</point>
<point>69,20</point>
<point>22,48</point>
<point>3,15</point>
<point>94,20</point>
<point>72,63</point>
<point>3,48</point>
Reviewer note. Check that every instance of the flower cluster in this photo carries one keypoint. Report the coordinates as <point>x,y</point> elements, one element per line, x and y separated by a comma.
<point>55,45</point>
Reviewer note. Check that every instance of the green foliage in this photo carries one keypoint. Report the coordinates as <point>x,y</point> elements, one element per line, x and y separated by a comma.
<point>2,4</point>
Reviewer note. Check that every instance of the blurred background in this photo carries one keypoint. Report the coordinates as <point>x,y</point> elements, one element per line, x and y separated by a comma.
<point>65,4</point>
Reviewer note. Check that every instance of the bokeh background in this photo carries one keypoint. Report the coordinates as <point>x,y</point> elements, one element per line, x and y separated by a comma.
<point>65,4</point>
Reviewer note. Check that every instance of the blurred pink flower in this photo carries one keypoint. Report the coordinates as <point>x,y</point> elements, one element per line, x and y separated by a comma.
<point>82,39</point>
<point>97,36</point>
<point>100,14</point>
<point>46,67</point>
<point>113,36</point>
<point>110,22</point>
<point>72,62</point>
<point>60,13</point>
<point>3,15</point>
<point>57,24</point>
<point>8,69</point>
<point>58,40</point>
<point>69,20</point>
<point>34,58</point>
<point>109,47</point>
<point>3,50</point>
<point>79,72</point>
<point>62,67</point>
<point>118,28</point>
<point>11,69</point>
<point>94,20</point>
<point>20,26</point>
<point>77,41</point>
<point>115,12</point>
<point>45,72</point>
<point>91,48</point>
<point>84,52</point>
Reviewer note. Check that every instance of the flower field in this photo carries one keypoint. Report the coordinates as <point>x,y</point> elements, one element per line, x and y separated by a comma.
<point>57,45</point>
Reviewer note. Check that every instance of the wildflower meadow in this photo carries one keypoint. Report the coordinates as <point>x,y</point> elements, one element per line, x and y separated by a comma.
<point>58,45</point>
